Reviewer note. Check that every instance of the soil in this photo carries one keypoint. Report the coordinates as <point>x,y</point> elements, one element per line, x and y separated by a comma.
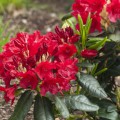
<point>43,15</point>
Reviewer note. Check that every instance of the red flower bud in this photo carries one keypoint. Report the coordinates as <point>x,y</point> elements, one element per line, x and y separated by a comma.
<point>89,53</point>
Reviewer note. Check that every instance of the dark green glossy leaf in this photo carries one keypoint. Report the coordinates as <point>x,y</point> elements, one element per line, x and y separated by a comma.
<point>23,106</point>
<point>67,16</point>
<point>61,107</point>
<point>43,109</point>
<point>114,71</point>
<point>107,111</point>
<point>118,117</point>
<point>108,115</point>
<point>91,85</point>
<point>86,65</point>
<point>80,102</point>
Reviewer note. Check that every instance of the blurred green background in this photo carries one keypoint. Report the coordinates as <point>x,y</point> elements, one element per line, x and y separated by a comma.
<point>14,4</point>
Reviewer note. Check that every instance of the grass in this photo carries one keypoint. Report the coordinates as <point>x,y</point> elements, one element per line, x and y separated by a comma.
<point>17,4</point>
<point>4,35</point>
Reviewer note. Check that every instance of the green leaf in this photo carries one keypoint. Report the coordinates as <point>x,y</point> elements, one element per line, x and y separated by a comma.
<point>118,117</point>
<point>94,40</point>
<point>94,69</point>
<point>118,96</point>
<point>18,91</point>
<point>83,37</point>
<point>70,22</point>
<point>100,72</point>
<point>88,24</point>
<point>80,102</point>
<point>43,109</point>
<point>91,85</point>
<point>99,44</point>
<point>115,70</point>
<point>67,16</point>
<point>107,109</point>
<point>86,65</point>
<point>115,37</point>
<point>81,25</point>
<point>61,107</point>
<point>23,106</point>
<point>109,115</point>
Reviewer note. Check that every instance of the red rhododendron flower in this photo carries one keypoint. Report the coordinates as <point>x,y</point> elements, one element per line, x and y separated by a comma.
<point>66,35</point>
<point>54,85</point>
<point>113,9</point>
<point>45,69</point>
<point>95,6</point>
<point>96,25</point>
<point>9,93</point>
<point>84,7</point>
<point>29,80</point>
<point>89,53</point>
<point>35,60</point>
<point>65,51</point>
<point>49,85</point>
<point>67,69</point>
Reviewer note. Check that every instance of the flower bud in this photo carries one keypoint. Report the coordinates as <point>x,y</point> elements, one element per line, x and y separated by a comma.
<point>86,53</point>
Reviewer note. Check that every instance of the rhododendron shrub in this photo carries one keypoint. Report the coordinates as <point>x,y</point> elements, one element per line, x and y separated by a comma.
<point>71,69</point>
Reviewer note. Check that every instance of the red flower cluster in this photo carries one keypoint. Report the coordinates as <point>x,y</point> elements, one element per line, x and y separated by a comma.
<point>113,9</point>
<point>86,7</point>
<point>33,60</point>
<point>86,53</point>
